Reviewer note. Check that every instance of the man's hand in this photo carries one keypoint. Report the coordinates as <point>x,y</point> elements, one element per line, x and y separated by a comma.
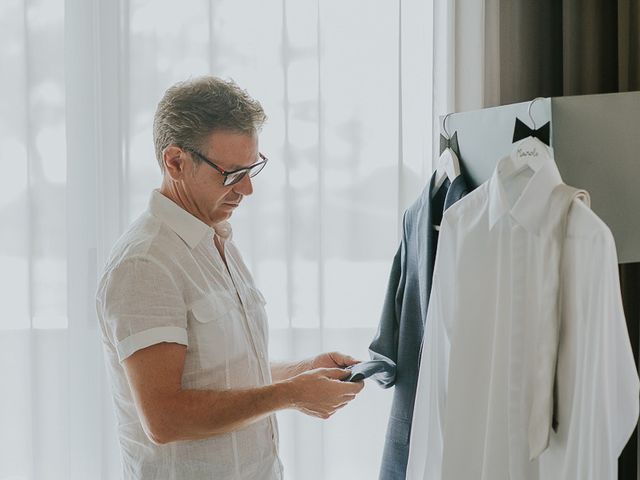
<point>332,360</point>
<point>321,392</point>
<point>284,371</point>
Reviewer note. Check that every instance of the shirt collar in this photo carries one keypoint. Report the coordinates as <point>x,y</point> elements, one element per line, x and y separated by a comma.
<point>530,209</point>
<point>189,228</point>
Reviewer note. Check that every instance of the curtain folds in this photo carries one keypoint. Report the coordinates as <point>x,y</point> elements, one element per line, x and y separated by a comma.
<point>570,47</point>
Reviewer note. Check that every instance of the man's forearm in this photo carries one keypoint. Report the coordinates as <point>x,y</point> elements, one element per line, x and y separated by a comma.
<point>282,371</point>
<point>197,414</point>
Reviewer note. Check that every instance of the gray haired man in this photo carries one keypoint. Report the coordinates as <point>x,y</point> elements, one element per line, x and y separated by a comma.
<point>184,327</point>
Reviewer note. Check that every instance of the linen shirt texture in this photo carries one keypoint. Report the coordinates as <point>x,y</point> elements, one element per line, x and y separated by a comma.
<point>477,371</point>
<point>166,282</point>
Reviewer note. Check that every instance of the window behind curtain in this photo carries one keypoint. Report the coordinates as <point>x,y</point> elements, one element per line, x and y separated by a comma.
<point>318,234</point>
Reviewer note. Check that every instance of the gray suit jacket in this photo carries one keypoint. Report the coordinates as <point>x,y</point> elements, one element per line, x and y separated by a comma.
<point>399,337</point>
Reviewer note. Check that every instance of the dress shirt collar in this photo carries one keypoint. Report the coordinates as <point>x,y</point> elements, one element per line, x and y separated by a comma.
<point>530,210</point>
<point>186,226</point>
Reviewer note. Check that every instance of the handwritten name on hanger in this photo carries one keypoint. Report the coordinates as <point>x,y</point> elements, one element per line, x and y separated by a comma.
<point>522,153</point>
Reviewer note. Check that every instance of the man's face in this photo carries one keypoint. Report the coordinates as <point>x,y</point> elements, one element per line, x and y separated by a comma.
<point>202,185</point>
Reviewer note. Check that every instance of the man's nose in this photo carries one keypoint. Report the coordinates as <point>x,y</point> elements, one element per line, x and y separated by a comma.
<point>244,186</point>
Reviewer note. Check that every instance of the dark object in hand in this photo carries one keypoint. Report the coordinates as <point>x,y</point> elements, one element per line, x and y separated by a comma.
<point>363,370</point>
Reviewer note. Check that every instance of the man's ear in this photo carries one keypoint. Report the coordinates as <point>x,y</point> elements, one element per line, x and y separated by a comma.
<point>175,161</point>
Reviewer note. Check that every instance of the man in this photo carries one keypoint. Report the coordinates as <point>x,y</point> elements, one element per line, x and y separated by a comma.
<point>184,328</point>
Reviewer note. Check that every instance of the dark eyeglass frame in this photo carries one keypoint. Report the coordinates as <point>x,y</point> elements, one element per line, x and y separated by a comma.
<point>226,182</point>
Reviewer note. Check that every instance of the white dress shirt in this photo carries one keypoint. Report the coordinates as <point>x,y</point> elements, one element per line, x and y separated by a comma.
<point>479,359</point>
<point>166,282</point>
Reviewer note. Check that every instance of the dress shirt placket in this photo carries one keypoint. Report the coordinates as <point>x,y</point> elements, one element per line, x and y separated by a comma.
<point>250,327</point>
<point>254,338</point>
<point>230,283</point>
<point>221,263</point>
<point>518,290</point>
<point>246,324</point>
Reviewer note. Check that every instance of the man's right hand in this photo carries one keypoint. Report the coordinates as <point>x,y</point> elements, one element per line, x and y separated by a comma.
<point>321,392</point>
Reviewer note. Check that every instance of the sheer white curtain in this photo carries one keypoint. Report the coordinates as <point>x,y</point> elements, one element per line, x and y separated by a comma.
<point>348,88</point>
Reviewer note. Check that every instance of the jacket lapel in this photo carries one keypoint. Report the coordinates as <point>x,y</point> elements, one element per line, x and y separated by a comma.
<point>425,220</point>
<point>428,236</point>
<point>457,190</point>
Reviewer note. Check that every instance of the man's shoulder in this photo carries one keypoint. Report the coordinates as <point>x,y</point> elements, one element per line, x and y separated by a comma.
<point>147,238</point>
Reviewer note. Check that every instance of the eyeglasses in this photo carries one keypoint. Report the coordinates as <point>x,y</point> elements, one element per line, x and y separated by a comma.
<point>234,176</point>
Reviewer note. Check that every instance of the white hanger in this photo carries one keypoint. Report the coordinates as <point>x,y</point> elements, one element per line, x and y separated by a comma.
<point>528,153</point>
<point>448,162</point>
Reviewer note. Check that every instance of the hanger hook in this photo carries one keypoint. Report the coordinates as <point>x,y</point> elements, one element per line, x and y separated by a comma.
<point>444,124</point>
<point>533,122</point>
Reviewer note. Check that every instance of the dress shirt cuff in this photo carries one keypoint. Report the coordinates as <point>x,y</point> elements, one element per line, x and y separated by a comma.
<point>128,346</point>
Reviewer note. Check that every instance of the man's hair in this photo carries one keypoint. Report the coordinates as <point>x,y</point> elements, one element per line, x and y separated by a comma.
<point>191,110</point>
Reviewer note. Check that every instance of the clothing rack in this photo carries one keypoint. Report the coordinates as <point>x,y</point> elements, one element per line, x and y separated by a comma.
<point>596,142</point>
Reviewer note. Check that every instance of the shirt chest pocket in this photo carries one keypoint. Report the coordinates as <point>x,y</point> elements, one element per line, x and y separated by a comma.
<point>215,331</point>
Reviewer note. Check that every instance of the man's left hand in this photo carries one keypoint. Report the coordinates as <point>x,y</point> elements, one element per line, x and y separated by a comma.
<point>332,360</point>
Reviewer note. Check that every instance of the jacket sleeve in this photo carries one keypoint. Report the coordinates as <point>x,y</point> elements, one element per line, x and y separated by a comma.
<point>385,344</point>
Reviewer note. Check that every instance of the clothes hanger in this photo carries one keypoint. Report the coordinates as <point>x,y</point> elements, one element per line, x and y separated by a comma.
<point>530,152</point>
<point>448,163</point>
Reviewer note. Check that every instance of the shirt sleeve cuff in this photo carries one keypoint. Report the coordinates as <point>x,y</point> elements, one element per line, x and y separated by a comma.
<point>128,346</point>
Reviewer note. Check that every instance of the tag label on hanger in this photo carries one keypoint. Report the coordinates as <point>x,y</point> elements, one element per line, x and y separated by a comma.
<point>529,152</point>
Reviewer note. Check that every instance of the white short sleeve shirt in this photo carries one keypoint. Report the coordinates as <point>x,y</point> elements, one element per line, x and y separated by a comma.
<point>473,401</point>
<point>166,282</point>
